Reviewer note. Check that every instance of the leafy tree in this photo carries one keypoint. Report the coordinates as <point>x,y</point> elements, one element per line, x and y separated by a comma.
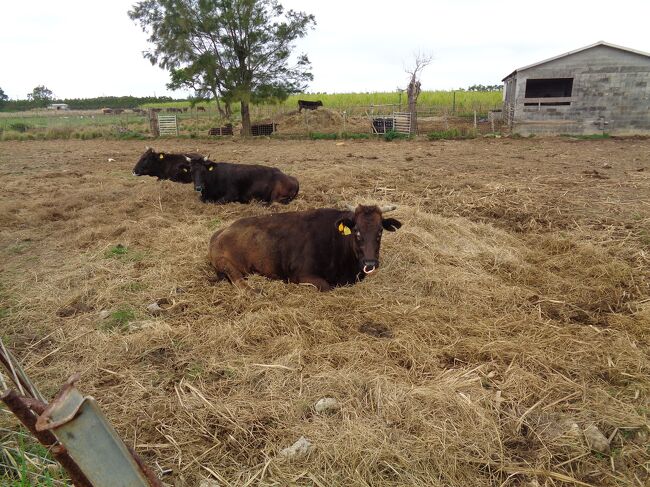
<point>229,50</point>
<point>3,97</point>
<point>41,95</point>
<point>485,88</point>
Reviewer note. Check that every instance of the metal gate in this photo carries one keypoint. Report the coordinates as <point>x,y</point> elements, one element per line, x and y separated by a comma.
<point>167,125</point>
<point>402,122</point>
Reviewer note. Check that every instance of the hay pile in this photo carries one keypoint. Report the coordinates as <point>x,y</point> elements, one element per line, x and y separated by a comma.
<point>478,355</point>
<point>320,120</point>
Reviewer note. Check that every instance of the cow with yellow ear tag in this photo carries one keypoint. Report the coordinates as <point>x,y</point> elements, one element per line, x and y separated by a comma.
<point>324,247</point>
<point>225,182</point>
<point>165,165</point>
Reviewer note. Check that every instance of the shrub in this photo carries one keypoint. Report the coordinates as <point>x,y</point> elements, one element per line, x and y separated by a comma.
<point>392,135</point>
<point>451,134</point>
<point>20,126</point>
<point>321,136</point>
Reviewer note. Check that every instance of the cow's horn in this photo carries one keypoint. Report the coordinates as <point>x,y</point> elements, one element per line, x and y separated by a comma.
<point>205,158</point>
<point>188,159</point>
<point>351,208</point>
<point>146,148</point>
<point>387,208</point>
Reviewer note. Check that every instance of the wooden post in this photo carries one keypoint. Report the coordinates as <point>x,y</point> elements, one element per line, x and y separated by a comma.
<point>475,121</point>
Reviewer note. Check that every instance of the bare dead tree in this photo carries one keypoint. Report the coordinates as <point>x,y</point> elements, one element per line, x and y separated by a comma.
<point>421,61</point>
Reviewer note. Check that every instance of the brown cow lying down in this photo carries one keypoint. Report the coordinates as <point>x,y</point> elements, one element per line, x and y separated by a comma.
<point>226,182</point>
<point>165,165</point>
<point>325,247</point>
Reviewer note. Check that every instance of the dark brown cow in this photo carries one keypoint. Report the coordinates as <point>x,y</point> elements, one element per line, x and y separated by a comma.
<point>224,182</point>
<point>164,165</point>
<point>325,247</point>
<point>309,105</point>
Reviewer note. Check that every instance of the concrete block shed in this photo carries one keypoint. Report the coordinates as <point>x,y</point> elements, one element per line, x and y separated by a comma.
<point>594,89</point>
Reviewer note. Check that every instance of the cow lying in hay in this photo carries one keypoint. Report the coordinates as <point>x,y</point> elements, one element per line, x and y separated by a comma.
<point>324,247</point>
<point>162,165</point>
<point>224,182</point>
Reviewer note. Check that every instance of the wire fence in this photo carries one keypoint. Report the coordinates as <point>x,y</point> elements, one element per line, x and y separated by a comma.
<point>283,120</point>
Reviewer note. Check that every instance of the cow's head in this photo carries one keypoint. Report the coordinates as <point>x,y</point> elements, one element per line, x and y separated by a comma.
<point>201,168</point>
<point>363,227</point>
<point>146,165</point>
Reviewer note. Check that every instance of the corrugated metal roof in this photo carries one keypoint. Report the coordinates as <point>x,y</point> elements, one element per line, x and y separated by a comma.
<point>590,46</point>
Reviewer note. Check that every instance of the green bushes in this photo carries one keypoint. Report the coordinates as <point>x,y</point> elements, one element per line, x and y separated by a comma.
<point>19,127</point>
<point>451,134</point>
<point>392,135</point>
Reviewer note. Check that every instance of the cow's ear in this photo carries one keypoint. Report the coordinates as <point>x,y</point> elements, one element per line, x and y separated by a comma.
<point>391,224</point>
<point>344,226</point>
<point>161,156</point>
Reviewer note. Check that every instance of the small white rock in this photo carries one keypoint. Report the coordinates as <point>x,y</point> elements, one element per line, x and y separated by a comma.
<point>103,314</point>
<point>596,440</point>
<point>154,309</point>
<point>110,159</point>
<point>299,449</point>
<point>326,405</point>
<point>208,483</point>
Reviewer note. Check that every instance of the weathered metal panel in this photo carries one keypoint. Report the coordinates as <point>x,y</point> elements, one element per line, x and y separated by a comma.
<point>91,441</point>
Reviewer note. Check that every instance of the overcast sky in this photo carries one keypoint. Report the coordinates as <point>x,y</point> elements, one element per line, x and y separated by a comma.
<point>87,48</point>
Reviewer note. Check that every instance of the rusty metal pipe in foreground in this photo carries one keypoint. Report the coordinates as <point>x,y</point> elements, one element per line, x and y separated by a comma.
<point>24,410</point>
<point>92,442</point>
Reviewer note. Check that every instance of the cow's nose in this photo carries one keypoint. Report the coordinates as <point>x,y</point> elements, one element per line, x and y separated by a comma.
<point>369,266</point>
<point>198,188</point>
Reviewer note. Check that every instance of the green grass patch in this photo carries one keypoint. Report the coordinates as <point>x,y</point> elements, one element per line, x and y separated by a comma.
<point>27,463</point>
<point>214,224</point>
<point>18,248</point>
<point>451,134</point>
<point>392,135</point>
<point>19,127</point>
<point>346,135</point>
<point>119,319</point>
<point>4,312</point>
<point>122,252</point>
<point>321,136</point>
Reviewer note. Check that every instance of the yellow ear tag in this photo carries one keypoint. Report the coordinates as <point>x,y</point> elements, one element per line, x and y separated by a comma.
<point>162,156</point>
<point>210,168</point>
<point>344,229</point>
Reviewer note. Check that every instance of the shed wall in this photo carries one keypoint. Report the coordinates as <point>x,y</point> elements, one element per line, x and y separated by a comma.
<point>607,82</point>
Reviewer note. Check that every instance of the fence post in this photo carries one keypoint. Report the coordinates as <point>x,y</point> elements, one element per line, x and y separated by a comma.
<point>475,121</point>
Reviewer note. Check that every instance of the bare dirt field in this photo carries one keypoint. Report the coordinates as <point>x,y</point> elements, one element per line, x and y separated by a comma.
<point>510,315</point>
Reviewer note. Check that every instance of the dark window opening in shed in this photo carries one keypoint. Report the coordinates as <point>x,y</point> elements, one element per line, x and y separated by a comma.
<point>549,88</point>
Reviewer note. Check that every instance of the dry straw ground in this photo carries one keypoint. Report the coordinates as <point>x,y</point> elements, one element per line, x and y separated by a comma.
<point>511,312</point>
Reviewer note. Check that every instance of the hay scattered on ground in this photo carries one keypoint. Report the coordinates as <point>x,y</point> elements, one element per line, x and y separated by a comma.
<point>510,313</point>
<point>321,120</point>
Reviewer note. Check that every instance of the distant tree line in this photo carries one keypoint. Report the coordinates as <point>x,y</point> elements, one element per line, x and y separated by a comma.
<point>81,103</point>
<point>483,88</point>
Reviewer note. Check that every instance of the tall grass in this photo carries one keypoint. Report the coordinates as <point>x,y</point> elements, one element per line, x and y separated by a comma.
<point>459,101</point>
